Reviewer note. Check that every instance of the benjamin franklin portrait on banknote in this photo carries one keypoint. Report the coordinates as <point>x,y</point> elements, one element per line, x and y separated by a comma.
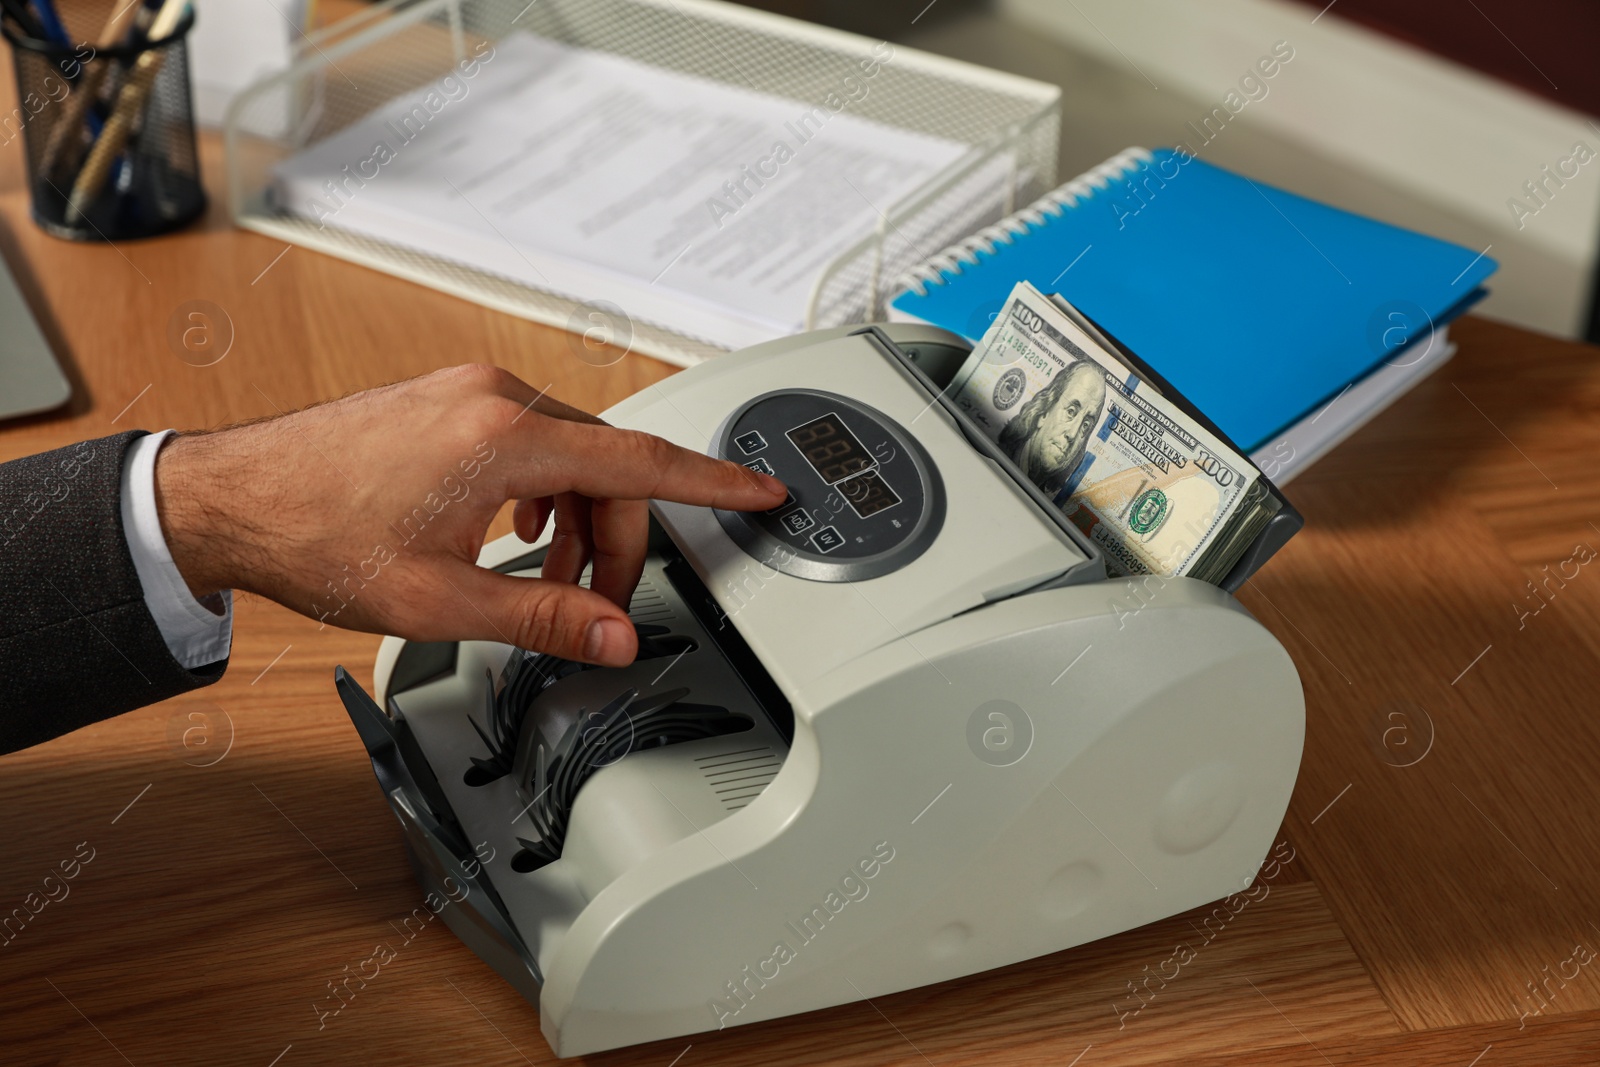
<point>1048,437</point>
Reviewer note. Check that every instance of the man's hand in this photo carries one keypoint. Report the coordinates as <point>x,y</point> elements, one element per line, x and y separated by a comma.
<point>369,512</point>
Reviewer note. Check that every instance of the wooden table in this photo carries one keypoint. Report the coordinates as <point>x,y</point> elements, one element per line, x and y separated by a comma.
<point>1443,831</point>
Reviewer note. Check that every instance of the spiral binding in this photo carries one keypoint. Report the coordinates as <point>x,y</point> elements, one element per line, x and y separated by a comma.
<point>965,252</point>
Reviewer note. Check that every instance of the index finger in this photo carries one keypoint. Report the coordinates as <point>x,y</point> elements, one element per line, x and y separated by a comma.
<point>610,463</point>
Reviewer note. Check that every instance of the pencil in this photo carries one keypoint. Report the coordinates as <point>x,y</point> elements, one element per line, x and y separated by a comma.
<point>130,101</point>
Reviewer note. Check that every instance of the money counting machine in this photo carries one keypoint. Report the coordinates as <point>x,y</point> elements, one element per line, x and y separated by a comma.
<point>900,729</point>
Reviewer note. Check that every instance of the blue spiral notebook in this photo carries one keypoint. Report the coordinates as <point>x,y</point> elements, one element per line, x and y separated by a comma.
<point>1256,304</point>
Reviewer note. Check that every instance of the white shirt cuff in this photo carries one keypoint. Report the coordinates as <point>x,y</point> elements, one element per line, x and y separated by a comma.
<point>195,634</point>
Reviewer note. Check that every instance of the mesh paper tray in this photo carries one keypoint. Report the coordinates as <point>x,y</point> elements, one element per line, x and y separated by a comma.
<point>347,70</point>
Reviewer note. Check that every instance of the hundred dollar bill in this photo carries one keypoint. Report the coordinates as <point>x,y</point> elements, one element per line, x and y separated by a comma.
<point>1155,490</point>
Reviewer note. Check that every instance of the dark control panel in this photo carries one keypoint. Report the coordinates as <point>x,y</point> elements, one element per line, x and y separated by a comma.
<point>864,497</point>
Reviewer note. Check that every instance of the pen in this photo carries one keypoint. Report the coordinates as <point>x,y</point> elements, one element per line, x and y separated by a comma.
<point>83,96</point>
<point>143,12</point>
<point>130,100</point>
<point>50,22</point>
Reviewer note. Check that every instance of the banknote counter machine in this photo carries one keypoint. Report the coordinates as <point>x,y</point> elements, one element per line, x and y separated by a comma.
<point>900,729</point>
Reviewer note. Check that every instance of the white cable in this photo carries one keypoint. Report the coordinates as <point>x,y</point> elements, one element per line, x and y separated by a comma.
<point>965,252</point>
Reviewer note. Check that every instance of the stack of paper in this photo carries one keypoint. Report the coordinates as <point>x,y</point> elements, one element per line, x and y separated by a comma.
<point>705,208</point>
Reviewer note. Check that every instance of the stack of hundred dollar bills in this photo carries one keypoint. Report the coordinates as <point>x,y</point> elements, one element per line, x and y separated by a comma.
<point>1157,491</point>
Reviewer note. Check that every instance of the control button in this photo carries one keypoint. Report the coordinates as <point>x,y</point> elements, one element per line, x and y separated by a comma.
<point>826,539</point>
<point>799,521</point>
<point>788,502</point>
<point>750,442</point>
<point>761,465</point>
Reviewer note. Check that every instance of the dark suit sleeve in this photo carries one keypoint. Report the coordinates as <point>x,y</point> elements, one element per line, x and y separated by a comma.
<point>77,643</point>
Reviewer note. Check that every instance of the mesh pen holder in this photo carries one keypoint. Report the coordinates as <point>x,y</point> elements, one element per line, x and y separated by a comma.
<point>109,135</point>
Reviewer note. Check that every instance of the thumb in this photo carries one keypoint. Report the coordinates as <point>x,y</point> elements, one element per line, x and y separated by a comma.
<point>545,616</point>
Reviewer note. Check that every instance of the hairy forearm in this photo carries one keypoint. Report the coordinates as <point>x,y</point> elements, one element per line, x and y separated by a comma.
<point>208,540</point>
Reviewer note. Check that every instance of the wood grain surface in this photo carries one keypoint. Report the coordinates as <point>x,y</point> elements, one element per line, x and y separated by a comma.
<point>1440,898</point>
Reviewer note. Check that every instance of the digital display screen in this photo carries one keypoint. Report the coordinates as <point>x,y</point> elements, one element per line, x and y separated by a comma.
<point>830,448</point>
<point>868,494</point>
